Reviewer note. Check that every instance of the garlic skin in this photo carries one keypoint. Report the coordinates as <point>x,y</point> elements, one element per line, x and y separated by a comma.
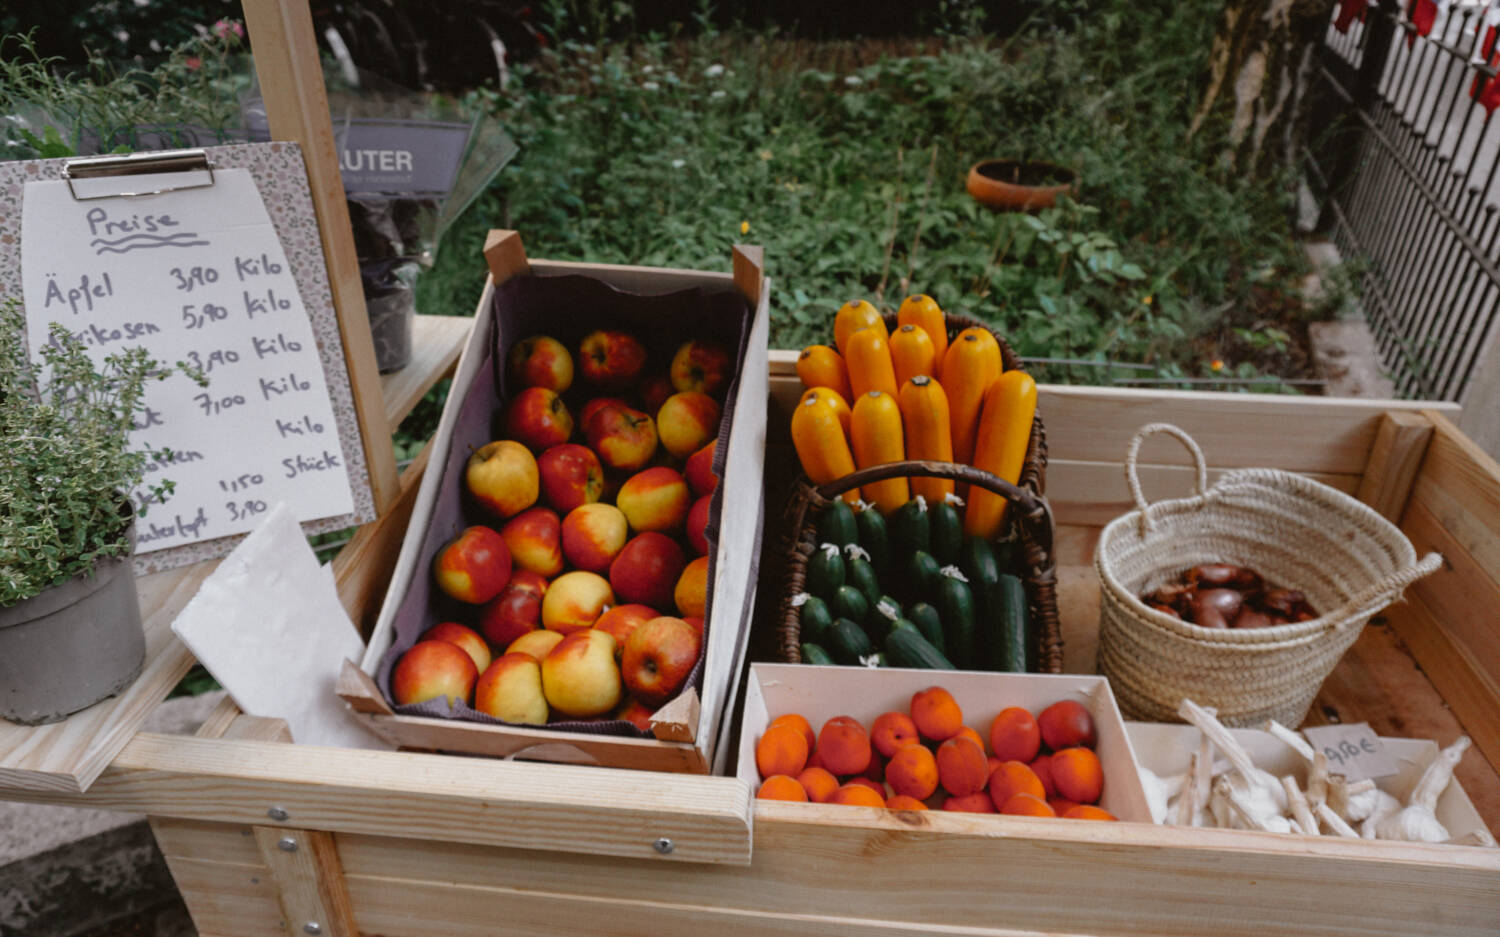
<point>1417,822</point>
<point>1385,806</point>
<point>1412,825</point>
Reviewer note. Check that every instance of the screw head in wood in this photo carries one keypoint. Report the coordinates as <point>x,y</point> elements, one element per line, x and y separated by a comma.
<point>664,846</point>
<point>278,813</point>
<point>312,927</point>
<point>287,844</point>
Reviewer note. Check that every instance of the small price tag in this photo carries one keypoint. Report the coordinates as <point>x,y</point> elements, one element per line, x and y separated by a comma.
<point>1352,749</point>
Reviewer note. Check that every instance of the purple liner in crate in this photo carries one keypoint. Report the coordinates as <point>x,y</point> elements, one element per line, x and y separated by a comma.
<point>567,308</point>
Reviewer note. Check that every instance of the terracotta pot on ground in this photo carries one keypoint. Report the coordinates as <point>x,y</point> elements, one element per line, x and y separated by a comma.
<point>1009,185</point>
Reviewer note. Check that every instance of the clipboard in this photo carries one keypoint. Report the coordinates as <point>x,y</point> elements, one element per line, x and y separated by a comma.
<point>280,177</point>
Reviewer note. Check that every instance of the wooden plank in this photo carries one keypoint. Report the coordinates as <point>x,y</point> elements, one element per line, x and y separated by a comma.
<point>362,569</point>
<point>1400,443</point>
<point>1458,592</point>
<point>1460,484</point>
<point>505,255</point>
<point>749,267</point>
<point>67,756</point>
<point>309,880</point>
<point>228,898</point>
<point>290,72</point>
<point>435,344</point>
<point>555,807</point>
<point>259,729</point>
<point>218,721</point>
<point>199,839</point>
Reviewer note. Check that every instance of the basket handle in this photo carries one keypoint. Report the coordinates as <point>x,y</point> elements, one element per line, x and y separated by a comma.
<point>1383,592</point>
<point>1132,456</point>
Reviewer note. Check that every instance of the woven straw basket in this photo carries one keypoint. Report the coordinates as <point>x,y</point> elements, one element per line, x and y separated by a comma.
<point>1348,560</point>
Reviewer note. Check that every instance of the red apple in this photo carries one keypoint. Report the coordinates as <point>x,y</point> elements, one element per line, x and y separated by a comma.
<point>697,525</point>
<point>646,571</point>
<point>655,390</point>
<point>593,535</point>
<point>502,477</point>
<point>587,411</point>
<point>611,359</point>
<point>570,475</point>
<point>654,499</point>
<point>625,439</point>
<point>621,620</point>
<point>465,637</point>
<point>687,422</point>
<point>511,689</point>
<point>691,592</point>
<point>538,418</point>
<point>432,669</point>
<point>541,361</point>
<point>515,611</point>
<point>575,601</point>
<point>535,540</point>
<point>702,365</point>
<point>699,470</point>
<point>635,712</point>
<point>658,658</point>
<point>473,567</point>
<point>580,677</point>
<point>697,623</point>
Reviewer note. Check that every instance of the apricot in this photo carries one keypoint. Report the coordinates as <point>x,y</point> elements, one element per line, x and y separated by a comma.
<point>890,732</point>
<point>1014,735</point>
<point>902,802</point>
<point>969,733</point>
<point>818,783</point>
<point>1077,774</point>
<point>876,771</point>
<point>1041,766</point>
<point>1089,812</point>
<point>801,724</point>
<point>781,787</point>
<point>781,750</point>
<point>857,795</point>
<point>1066,723</point>
<point>936,714</point>
<point>961,766</point>
<point>972,803</point>
<point>913,771</point>
<point>1013,778</point>
<point>844,746</point>
<point>875,786</point>
<point>1060,805</point>
<point>1027,805</point>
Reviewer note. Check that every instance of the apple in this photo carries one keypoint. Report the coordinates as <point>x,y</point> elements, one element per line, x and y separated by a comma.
<point>611,359</point>
<point>699,470</point>
<point>624,438</point>
<point>634,712</point>
<point>536,643</point>
<point>697,525</point>
<point>587,411</point>
<point>570,475</point>
<point>474,566</point>
<point>702,365</point>
<point>511,689</point>
<point>654,499</point>
<point>538,418</point>
<point>432,669</point>
<point>502,476</point>
<point>655,390</point>
<point>541,361</point>
<point>691,593</point>
<point>646,570</point>
<point>593,535</point>
<point>579,676</point>
<point>515,611</point>
<point>658,658</point>
<point>535,540</point>
<point>697,622</point>
<point>574,601</point>
<point>687,422</point>
<point>465,637</point>
<point>621,620</point>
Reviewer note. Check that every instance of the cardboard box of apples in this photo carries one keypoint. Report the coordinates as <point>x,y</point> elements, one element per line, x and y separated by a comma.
<point>577,574</point>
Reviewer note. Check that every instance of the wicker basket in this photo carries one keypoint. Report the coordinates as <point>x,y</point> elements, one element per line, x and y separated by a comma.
<point>1348,560</point>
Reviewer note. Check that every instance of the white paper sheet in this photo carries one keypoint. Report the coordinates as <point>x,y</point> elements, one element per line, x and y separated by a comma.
<point>269,627</point>
<point>196,276</point>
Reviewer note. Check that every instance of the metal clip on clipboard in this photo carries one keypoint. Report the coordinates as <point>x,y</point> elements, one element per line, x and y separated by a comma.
<point>138,164</point>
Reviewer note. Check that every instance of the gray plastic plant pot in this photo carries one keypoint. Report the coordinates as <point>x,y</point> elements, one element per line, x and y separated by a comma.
<point>71,646</point>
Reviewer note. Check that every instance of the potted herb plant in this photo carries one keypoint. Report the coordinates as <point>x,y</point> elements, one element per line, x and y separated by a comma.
<point>70,623</point>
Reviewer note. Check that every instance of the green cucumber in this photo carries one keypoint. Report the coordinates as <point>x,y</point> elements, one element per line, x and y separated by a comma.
<point>922,574</point>
<point>910,526</point>
<point>825,571</point>
<point>849,602</point>
<point>875,538</point>
<point>1007,554</point>
<point>880,659</point>
<point>814,654</point>
<point>929,622</point>
<point>847,642</point>
<point>946,530</point>
<point>884,614</point>
<point>905,647</point>
<point>836,524</point>
<point>978,564</point>
<point>815,618</point>
<point>861,575</point>
<point>978,561</point>
<point>956,608</point>
<point>1011,646</point>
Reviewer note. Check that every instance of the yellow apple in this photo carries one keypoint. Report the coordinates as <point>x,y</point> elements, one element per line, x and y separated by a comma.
<point>511,689</point>
<point>580,677</point>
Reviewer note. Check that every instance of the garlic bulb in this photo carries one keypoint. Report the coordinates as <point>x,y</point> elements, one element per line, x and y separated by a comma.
<point>1417,821</point>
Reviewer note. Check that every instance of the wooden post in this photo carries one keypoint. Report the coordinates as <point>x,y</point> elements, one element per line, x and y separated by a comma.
<point>505,255</point>
<point>309,881</point>
<point>1394,460</point>
<point>291,81</point>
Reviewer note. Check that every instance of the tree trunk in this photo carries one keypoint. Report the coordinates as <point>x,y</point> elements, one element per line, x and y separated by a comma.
<point>1260,66</point>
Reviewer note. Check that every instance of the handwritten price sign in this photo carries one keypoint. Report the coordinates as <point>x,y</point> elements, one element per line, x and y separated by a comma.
<point>1352,749</point>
